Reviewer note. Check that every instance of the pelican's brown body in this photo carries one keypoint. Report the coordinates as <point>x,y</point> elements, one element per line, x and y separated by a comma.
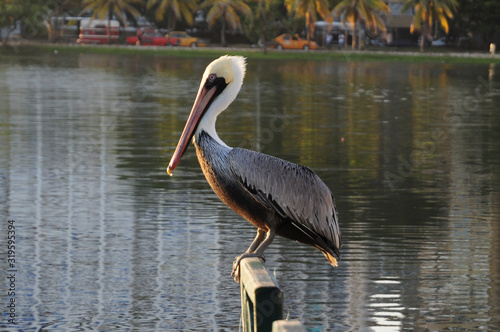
<point>276,196</point>
<point>228,171</point>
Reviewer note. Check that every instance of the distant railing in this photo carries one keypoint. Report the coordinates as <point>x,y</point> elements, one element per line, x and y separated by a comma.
<point>262,300</point>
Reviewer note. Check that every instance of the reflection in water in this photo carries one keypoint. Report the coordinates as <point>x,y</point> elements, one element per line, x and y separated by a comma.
<point>106,240</point>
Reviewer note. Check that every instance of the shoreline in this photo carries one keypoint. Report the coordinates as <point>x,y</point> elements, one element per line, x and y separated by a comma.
<point>382,55</point>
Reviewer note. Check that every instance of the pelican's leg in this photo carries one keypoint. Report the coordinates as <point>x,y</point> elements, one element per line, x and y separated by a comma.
<point>264,244</point>
<point>261,234</point>
<point>256,249</point>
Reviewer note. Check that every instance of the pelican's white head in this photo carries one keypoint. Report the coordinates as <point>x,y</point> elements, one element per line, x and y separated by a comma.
<point>219,86</point>
<point>231,68</point>
<point>227,73</point>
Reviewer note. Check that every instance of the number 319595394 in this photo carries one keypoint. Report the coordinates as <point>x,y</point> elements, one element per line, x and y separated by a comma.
<point>11,243</point>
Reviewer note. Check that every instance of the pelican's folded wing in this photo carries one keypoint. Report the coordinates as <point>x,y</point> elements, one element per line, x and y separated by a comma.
<point>293,190</point>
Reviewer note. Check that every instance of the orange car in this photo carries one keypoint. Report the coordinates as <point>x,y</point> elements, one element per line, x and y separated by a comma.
<point>180,38</point>
<point>289,42</point>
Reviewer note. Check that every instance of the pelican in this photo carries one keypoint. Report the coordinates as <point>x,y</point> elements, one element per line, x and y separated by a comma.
<point>276,196</point>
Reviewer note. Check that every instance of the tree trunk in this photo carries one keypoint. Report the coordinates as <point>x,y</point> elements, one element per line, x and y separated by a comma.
<point>263,39</point>
<point>308,27</point>
<point>108,31</point>
<point>223,31</point>
<point>110,14</point>
<point>354,36</point>
<point>172,20</point>
<point>424,35</point>
<point>426,30</point>
<point>360,44</point>
<point>262,14</point>
<point>50,30</point>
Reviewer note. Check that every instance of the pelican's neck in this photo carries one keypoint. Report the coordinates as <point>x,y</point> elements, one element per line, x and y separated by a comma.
<point>207,125</point>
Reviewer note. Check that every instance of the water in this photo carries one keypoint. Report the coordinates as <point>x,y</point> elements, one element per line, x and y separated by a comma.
<point>106,240</point>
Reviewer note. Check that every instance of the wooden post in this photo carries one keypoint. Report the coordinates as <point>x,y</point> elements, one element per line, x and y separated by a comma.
<point>288,326</point>
<point>261,298</point>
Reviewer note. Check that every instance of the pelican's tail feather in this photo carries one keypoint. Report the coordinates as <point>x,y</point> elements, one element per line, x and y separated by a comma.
<point>330,257</point>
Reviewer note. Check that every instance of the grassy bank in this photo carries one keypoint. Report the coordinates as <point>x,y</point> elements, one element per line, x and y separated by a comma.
<point>385,54</point>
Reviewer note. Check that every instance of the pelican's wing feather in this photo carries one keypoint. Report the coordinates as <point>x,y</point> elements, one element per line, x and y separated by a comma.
<point>294,191</point>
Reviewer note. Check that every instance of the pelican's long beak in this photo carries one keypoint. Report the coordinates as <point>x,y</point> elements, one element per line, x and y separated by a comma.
<point>199,107</point>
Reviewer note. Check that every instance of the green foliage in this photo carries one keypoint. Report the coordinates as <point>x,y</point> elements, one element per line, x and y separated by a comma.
<point>309,9</point>
<point>268,18</point>
<point>227,12</point>
<point>30,12</point>
<point>365,11</point>
<point>478,18</point>
<point>427,12</point>
<point>103,9</point>
<point>265,19</point>
<point>172,10</point>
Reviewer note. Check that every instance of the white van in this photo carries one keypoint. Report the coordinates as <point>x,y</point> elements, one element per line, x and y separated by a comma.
<point>94,31</point>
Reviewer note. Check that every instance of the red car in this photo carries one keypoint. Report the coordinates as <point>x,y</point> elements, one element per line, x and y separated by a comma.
<point>148,37</point>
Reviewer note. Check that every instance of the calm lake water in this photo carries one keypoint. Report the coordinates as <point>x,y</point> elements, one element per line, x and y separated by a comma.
<point>106,240</point>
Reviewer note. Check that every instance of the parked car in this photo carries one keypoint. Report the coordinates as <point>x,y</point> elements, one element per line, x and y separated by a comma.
<point>148,37</point>
<point>440,42</point>
<point>378,42</point>
<point>427,41</point>
<point>180,38</point>
<point>289,42</point>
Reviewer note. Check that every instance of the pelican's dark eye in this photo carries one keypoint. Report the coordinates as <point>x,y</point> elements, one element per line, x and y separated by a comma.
<point>217,82</point>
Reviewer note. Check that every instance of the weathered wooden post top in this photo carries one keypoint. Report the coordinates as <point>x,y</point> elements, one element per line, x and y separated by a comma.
<point>262,300</point>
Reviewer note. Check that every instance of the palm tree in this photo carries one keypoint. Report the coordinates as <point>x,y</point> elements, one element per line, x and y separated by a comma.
<point>106,8</point>
<point>367,11</point>
<point>427,12</point>
<point>50,10</point>
<point>263,21</point>
<point>177,9</point>
<point>226,11</point>
<point>309,9</point>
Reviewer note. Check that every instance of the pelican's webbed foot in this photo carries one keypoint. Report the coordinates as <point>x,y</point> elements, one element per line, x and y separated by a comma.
<point>236,265</point>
